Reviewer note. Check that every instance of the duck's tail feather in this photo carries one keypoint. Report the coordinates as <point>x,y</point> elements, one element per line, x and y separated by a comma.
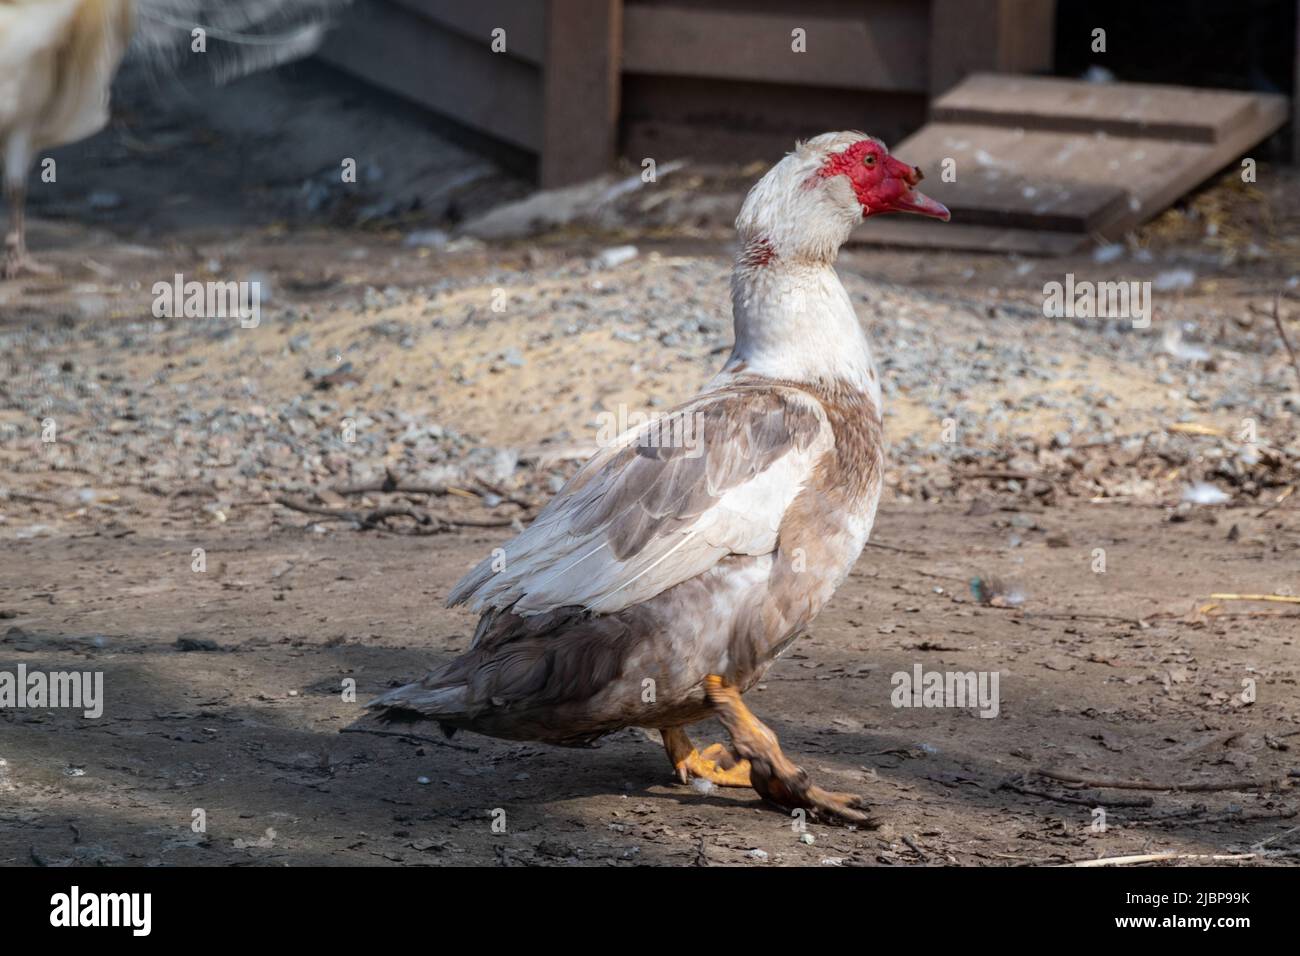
<point>419,701</point>
<point>468,586</point>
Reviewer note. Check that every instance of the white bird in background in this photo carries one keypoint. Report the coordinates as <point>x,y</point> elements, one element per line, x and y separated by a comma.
<point>58,59</point>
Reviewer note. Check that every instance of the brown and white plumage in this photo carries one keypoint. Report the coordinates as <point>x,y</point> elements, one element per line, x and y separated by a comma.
<point>687,567</point>
<point>58,59</point>
<point>643,516</point>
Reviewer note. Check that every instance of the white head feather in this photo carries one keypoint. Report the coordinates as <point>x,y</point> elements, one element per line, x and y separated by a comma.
<point>800,215</point>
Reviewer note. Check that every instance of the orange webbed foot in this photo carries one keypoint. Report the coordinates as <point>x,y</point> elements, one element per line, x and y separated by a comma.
<point>716,763</point>
<point>772,775</point>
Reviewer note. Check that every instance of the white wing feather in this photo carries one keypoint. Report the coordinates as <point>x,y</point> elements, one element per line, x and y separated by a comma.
<point>559,561</point>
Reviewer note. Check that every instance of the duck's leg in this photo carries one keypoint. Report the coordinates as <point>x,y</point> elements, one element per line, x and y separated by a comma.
<point>17,261</point>
<point>715,763</point>
<point>771,773</point>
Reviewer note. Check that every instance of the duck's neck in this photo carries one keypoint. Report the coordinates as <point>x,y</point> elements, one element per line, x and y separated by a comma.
<point>793,320</point>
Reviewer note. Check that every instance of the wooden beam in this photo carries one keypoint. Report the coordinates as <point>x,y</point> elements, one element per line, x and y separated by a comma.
<point>963,38</point>
<point>580,96</point>
<point>999,36</point>
<point>674,117</point>
<point>874,46</point>
<point>1027,43</point>
<point>523,20</point>
<point>1117,109</point>
<point>398,49</point>
<point>1295,95</point>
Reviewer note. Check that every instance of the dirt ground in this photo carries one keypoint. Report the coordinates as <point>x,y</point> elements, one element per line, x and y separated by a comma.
<point>1110,675</point>
<point>225,688</point>
<point>248,731</point>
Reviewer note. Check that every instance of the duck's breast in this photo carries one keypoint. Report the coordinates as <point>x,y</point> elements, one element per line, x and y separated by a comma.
<point>822,534</point>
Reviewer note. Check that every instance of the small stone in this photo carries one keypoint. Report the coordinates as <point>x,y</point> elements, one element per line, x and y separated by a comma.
<point>426,239</point>
<point>616,256</point>
<point>187,642</point>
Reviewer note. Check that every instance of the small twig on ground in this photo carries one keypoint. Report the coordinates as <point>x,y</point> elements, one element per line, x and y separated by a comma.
<point>505,495</point>
<point>401,733</point>
<point>1279,598</point>
<point>914,848</point>
<point>1082,616</point>
<point>1219,615</point>
<point>1206,743</point>
<point>369,519</point>
<point>1158,857</point>
<point>479,522</point>
<point>1097,801</point>
<point>1281,331</point>
<point>384,487</point>
<point>391,484</point>
<point>35,499</point>
<point>1194,428</point>
<point>1277,502</point>
<point>1241,816</point>
<point>890,547</point>
<point>375,517</point>
<point>1274,838</point>
<point>1104,783</point>
<point>943,577</point>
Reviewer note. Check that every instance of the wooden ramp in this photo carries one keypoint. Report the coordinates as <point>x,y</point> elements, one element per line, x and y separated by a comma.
<point>1045,165</point>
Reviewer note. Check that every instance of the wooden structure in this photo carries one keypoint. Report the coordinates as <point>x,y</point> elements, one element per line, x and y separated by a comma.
<point>1295,94</point>
<point>577,82</point>
<point>1043,165</point>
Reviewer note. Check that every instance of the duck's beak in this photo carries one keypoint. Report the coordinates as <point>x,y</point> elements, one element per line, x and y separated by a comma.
<point>922,205</point>
<point>911,199</point>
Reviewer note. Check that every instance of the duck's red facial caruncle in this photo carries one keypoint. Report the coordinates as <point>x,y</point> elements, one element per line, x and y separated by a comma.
<point>881,182</point>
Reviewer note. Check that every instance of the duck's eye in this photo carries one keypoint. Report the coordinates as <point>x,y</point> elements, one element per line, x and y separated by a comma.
<point>869,159</point>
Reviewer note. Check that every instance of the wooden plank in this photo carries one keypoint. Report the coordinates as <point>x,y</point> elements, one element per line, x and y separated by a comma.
<point>581,97</point>
<point>402,52</point>
<point>1156,193</point>
<point>882,47</point>
<point>1121,109</point>
<point>1053,178</point>
<point>1058,182</point>
<point>523,20</point>
<point>671,117</point>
